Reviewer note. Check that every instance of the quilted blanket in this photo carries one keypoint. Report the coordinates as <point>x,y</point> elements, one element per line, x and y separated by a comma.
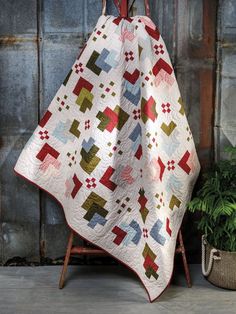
<point>114,147</point>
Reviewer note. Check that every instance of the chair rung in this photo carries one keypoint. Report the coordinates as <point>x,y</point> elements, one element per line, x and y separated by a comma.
<point>86,250</point>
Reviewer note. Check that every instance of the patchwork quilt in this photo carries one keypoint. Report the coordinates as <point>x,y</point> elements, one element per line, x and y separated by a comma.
<point>114,147</point>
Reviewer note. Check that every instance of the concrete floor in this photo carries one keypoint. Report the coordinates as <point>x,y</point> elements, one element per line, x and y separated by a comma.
<point>105,290</point>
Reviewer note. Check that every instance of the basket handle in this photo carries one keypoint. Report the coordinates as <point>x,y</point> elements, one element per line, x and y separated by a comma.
<point>213,256</point>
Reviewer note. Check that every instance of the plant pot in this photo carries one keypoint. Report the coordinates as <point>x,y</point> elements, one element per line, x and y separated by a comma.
<point>219,267</point>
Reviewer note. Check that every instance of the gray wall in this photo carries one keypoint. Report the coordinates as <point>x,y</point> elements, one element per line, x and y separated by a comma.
<point>39,41</point>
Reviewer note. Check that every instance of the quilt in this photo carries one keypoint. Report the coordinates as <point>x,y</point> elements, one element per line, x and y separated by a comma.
<point>115,149</point>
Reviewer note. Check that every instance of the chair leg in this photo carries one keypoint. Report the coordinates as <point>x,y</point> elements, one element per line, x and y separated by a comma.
<point>66,261</point>
<point>186,268</point>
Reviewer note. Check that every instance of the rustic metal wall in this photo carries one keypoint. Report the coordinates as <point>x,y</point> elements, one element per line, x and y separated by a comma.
<point>225,118</point>
<point>39,41</point>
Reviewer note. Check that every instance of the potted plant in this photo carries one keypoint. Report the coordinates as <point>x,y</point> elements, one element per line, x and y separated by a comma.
<point>216,203</point>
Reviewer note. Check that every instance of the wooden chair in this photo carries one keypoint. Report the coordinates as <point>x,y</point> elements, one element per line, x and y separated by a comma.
<point>80,250</point>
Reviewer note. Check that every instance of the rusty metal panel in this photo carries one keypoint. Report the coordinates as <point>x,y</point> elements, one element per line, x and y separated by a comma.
<point>225,125</point>
<point>227,21</point>
<point>18,17</point>
<point>19,208</point>
<point>196,42</point>
<point>228,94</point>
<point>163,14</point>
<point>195,46</point>
<point>60,16</point>
<point>93,10</point>
<point>225,122</point>
<point>188,80</point>
<point>19,74</point>
<point>58,55</point>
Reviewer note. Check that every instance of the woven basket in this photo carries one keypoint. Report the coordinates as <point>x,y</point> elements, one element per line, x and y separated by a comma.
<point>222,273</point>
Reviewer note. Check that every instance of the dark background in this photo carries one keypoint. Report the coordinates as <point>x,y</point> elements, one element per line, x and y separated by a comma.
<point>39,41</point>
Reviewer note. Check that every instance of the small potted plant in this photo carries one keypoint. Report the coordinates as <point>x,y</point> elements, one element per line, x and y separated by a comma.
<point>216,203</point>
